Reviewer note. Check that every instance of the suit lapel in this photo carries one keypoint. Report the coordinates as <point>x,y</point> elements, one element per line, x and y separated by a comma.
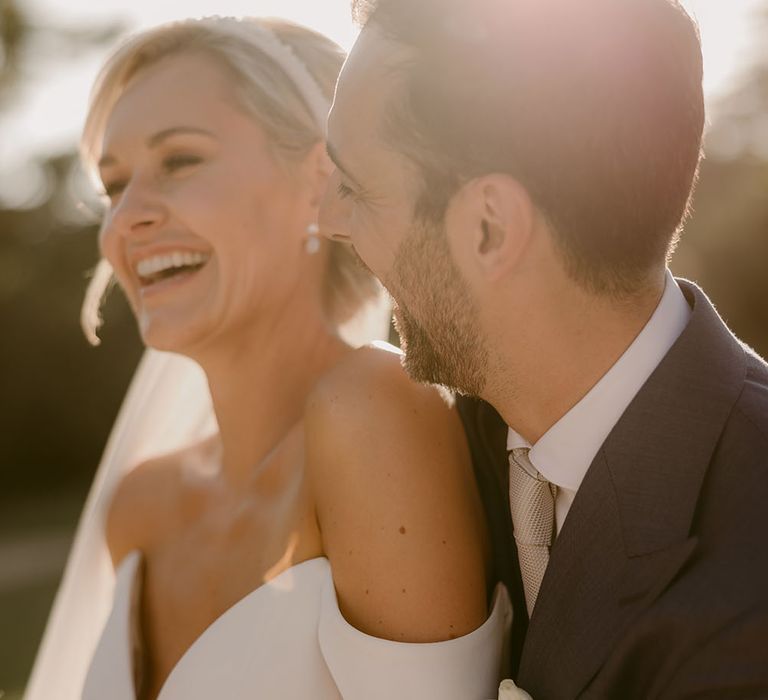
<point>591,591</point>
<point>628,531</point>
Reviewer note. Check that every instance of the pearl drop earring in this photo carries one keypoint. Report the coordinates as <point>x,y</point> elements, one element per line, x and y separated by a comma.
<point>312,244</point>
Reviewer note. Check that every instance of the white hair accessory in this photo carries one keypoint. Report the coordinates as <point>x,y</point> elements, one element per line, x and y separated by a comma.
<point>284,56</point>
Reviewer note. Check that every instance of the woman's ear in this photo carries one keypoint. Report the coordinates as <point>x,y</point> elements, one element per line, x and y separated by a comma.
<point>499,217</point>
<point>318,168</point>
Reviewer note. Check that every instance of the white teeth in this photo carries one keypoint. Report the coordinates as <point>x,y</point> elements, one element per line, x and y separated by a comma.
<point>158,263</point>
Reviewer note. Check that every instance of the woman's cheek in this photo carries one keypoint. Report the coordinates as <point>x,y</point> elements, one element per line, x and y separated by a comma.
<point>199,205</point>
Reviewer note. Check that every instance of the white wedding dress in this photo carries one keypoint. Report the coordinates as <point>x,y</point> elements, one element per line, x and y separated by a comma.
<point>311,653</point>
<point>287,640</point>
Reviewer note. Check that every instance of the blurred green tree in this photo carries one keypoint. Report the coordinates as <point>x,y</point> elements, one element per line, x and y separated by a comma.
<point>740,119</point>
<point>21,37</point>
<point>725,245</point>
<point>59,395</point>
<point>12,32</point>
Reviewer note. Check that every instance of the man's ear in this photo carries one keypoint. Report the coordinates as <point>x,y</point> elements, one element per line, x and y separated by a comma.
<point>499,217</point>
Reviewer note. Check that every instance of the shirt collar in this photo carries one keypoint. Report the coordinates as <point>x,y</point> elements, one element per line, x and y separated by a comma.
<point>564,453</point>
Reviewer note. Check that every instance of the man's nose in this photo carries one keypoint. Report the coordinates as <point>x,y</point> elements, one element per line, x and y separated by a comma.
<point>333,217</point>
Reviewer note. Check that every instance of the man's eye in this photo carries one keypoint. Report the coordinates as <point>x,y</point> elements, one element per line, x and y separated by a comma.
<point>345,191</point>
<point>173,163</point>
<point>112,189</point>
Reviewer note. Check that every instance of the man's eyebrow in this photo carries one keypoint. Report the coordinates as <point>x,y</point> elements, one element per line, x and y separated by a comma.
<point>106,160</point>
<point>156,139</point>
<point>334,156</point>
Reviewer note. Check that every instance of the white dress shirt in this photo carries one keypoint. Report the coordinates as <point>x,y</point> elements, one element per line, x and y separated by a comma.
<point>564,453</point>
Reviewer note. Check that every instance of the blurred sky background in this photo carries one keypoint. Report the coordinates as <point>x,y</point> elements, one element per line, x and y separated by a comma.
<point>59,397</point>
<point>51,108</point>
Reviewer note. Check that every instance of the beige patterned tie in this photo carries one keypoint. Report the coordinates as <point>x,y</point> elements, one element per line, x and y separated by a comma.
<point>532,503</point>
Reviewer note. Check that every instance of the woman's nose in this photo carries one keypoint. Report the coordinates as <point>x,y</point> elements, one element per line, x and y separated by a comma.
<point>136,212</point>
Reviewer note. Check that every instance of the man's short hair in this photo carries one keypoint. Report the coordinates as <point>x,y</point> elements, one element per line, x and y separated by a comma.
<point>595,106</point>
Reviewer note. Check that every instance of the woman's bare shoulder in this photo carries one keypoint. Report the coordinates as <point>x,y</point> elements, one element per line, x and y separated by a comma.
<point>145,500</point>
<point>396,501</point>
<point>369,406</point>
<point>373,379</point>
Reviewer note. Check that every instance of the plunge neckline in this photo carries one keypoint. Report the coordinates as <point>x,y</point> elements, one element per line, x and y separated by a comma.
<point>287,638</point>
<point>136,557</point>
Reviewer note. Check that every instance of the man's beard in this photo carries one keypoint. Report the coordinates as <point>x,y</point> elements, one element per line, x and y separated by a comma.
<point>446,346</point>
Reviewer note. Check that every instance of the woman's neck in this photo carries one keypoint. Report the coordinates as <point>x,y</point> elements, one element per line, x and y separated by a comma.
<point>259,383</point>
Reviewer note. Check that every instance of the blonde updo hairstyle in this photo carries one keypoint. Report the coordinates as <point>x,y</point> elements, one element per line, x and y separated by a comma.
<point>265,91</point>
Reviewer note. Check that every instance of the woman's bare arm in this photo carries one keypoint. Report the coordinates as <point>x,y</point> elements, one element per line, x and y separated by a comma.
<point>400,517</point>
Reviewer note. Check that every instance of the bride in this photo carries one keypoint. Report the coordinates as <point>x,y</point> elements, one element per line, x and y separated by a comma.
<point>326,540</point>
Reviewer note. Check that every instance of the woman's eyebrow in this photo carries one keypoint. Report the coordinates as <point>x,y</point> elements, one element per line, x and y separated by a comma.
<point>160,136</point>
<point>156,139</point>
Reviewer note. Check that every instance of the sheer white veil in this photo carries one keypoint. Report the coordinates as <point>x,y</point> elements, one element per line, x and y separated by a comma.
<point>167,406</point>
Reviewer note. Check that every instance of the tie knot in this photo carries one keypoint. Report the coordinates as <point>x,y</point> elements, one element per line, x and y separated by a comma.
<point>520,457</point>
<point>531,500</point>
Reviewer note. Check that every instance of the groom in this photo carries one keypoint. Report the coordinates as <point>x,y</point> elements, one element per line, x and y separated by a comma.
<point>516,173</point>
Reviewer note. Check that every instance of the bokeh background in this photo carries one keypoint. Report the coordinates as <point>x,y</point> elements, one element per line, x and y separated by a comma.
<point>59,396</point>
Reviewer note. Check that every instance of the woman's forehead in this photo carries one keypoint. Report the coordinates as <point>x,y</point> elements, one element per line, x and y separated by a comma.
<point>180,89</point>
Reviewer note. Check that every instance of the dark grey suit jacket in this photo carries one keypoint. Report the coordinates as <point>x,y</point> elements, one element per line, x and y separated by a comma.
<point>657,586</point>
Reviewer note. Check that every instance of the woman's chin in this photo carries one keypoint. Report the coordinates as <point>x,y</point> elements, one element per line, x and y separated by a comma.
<point>169,335</point>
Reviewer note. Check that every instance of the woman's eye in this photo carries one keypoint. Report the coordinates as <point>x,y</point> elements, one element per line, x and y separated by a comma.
<point>175,162</point>
<point>345,191</point>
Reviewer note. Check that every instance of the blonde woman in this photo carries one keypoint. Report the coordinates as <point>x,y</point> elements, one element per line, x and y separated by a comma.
<point>326,540</point>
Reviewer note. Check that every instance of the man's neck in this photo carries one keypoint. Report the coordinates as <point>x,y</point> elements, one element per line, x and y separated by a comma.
<point>542,372</point>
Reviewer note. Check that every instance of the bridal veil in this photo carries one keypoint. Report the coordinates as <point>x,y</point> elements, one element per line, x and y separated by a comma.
<point>167,406</point>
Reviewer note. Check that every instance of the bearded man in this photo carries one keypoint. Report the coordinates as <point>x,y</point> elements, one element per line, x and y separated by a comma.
<point>517,172</point>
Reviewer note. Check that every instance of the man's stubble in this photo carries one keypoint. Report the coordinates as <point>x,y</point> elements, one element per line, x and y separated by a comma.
<point>438,325</point>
